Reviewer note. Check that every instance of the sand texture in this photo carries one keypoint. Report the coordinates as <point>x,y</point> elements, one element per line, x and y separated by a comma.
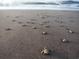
<point>23,33</point>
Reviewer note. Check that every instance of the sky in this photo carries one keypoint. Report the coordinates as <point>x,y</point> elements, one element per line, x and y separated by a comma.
<point>11,1</point>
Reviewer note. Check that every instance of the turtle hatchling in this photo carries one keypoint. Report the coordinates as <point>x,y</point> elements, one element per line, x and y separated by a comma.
<point>70,31</point>
<point>44,33</point>
<point>45,51</point>
<point>64,40</point>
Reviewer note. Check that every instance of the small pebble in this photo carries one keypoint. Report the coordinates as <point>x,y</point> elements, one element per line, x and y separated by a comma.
<point>45,51</point>
<point>44,33</point>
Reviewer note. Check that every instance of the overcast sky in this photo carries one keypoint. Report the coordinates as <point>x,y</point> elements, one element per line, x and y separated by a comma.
<point>11,1</point>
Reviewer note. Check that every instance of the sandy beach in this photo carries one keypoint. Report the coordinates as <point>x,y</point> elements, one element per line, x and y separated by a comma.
<point>21,34</point>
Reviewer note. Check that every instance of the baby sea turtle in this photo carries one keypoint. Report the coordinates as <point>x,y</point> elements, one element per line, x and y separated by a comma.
<point>64,41</point>
<point>44,33</point>
<point>70,31</point>
<point>45,51</point>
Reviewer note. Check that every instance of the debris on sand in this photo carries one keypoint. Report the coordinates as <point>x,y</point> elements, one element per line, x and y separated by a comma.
<point>64,41</point>
<point>44,33</point>
<point>8,29</point>
<point>45,51</point>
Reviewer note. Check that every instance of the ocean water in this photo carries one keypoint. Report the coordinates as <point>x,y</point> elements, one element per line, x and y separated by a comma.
<point>40,4</point>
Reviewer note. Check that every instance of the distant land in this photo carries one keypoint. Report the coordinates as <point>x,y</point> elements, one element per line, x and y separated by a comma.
<point>70,2</point>
<point>47,3</point>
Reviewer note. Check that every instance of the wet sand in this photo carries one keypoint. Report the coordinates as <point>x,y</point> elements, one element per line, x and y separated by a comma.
<point>21,34</point>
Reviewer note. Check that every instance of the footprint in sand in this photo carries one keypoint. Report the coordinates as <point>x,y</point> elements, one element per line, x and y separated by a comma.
<point>24,25</point>
<point>47,26</point>
<point>72,21</point>
<point>62,26</point>
<point>58,21</point>
<point>33,19</point>
<point>16,16</point>
<point>34,27</point>
<point>8,29</point>
<point>20,22</point>
<point>45,22</point>
<point>30,22</point>
<point>43,17</point>
<point>13,20</point>
<point>0,36</point>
